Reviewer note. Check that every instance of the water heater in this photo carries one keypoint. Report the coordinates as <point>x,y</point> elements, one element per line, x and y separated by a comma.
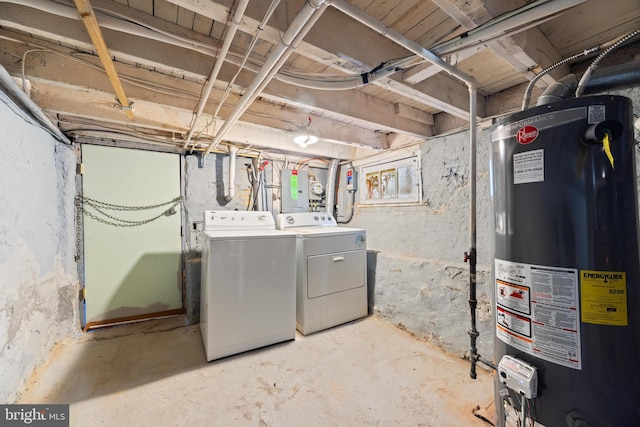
<point>566,270</point>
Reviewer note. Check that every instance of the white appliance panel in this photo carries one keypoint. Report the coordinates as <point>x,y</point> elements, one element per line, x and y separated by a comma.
<point>248,290</point>
<point>335,272</point>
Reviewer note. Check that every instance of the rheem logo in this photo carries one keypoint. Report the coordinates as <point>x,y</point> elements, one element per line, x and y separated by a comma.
<point>527,134</point>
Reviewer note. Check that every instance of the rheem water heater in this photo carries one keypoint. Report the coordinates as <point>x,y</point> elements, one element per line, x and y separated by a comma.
<point>566,273</point>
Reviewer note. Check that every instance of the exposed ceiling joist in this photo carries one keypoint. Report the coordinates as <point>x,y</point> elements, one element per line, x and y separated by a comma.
<point>164,52</point>
<point>360,54</point>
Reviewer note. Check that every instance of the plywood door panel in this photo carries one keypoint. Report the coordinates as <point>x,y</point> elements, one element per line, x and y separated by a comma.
<point>131,272</point>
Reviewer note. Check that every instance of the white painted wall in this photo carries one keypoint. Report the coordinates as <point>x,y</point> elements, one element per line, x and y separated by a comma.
<point>416,266</point>
<point>38,278</point>
<point>417,276</point>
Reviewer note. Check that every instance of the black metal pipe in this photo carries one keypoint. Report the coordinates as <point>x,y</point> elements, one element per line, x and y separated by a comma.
<point>614,77</point>
<point>473,303</point>
<point>474,357</point>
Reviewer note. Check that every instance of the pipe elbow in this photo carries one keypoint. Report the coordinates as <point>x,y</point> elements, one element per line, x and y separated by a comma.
<point>561,89</point>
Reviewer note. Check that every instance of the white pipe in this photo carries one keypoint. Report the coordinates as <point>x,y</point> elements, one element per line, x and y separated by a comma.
<point>231,32</point>
<point>330,188</point>
<point>301,24</point>
<point>525,16</point>
<point>348,82</point>
<point>357,14</point>
<point>393,35</point>
<point>232,173</point>
<point>116,24</point>
<point>12,87</point>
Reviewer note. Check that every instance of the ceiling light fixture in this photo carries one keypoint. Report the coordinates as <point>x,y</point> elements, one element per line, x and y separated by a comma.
<point>305,136</point>
<point>304,140</point>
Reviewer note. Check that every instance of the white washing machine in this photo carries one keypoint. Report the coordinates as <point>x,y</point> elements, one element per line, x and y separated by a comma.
<point>248,282</point>
<point>331,270</point>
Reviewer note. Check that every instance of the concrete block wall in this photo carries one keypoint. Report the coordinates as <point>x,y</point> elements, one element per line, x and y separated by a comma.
<point>38,276</point>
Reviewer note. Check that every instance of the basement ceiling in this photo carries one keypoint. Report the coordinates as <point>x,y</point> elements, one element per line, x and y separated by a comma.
<point>353,87</point>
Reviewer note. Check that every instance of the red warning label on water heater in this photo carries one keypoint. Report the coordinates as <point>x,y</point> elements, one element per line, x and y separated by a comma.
<point>527,134</point>
<point>537,311</point>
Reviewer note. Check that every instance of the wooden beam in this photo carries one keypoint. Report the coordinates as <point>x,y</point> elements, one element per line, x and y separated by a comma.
<point>93,29</point>
<point>525,52</point>
<point>97,107</point>
<point>347,106</point>
<point>413,114</point>
<point>325,44</point>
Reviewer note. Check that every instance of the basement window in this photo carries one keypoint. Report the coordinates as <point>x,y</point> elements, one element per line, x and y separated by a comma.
<point>391,180</point>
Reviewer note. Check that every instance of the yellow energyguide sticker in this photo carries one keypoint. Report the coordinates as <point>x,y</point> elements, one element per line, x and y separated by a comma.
<point>603,297</point>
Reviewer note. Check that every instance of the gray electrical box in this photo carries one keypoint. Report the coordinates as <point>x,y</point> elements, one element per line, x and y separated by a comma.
<point>295,190</point>
<point>352,180</point>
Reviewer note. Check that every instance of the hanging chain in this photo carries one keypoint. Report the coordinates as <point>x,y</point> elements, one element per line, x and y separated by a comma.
<point>83,201</point>
<point>108,206</point>
<point>78,206</point>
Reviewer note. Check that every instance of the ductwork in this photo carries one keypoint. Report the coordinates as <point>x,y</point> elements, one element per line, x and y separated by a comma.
<point>602,79</point>
<point>596,62</point>
<point>561,89</point>
<point>617,77</point>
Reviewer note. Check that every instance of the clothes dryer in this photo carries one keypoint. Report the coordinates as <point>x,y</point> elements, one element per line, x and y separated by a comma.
<point>331,270</point>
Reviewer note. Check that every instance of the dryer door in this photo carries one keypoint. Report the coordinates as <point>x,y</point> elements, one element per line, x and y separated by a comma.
<point>335,272</point>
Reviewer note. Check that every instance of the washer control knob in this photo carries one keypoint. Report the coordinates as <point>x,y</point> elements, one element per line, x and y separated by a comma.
<point>322,218</point>
<point>289,219</point>
<point>315,217</point>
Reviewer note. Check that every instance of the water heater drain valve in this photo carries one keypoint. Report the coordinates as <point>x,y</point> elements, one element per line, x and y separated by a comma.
<point>519,376</point>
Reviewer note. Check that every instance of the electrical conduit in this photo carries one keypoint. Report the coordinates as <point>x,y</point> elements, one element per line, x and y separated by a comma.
<point>7,81</point>
<point>231,32</point>
<point>357,14</point>
<point>232,173</point>
<point>302,23</point>
<point>330,188</point>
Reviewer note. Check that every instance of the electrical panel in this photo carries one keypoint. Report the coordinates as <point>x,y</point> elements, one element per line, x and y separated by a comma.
<point>352,180</point>
<point>294,191</point>
<point>519,376</point>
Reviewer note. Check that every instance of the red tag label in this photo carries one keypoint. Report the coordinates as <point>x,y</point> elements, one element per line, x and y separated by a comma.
<point>294,172</point>
<point>349,173</point>
<point>527,134</point>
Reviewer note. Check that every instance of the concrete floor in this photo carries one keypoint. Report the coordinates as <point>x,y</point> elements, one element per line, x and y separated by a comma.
<point>366,373</point>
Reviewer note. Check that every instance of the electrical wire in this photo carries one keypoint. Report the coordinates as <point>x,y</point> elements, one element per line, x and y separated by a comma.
<point>527,92</point>
<point>587,74</point>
